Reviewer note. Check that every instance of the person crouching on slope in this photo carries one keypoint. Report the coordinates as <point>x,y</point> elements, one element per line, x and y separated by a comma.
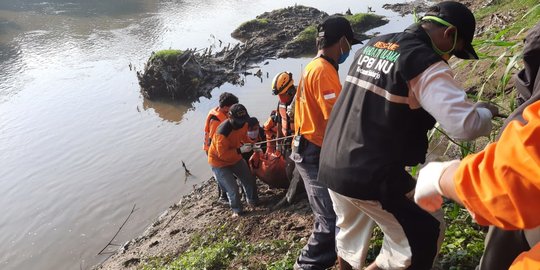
<point>224,156</point>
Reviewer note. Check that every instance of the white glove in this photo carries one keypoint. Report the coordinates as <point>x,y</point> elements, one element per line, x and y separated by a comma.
<point>494,110</point>
<point>428,189</point>
<point>246,148</point>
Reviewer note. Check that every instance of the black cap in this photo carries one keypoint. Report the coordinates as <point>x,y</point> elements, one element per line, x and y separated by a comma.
<point>334,27</point>
<point>238,112</point>
<point>253,121</point>
<point>462,18</point>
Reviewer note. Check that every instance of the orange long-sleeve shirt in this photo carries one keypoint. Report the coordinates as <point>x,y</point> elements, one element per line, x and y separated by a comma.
<point>501,185</point>
<point>224,149</point>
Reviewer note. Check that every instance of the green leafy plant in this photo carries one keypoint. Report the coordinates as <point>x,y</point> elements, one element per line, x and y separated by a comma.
<point>463,241</point>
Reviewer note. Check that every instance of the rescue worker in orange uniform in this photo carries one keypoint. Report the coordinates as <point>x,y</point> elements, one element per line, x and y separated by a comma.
<point>214,118</point>
<point>225,157</point>
<point>499,186</point>
<point>280,123</point>
<point>318,91</point>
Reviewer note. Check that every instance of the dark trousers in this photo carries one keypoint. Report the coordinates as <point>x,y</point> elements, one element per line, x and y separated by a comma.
<point>320,251</point>
<point>502,248</point>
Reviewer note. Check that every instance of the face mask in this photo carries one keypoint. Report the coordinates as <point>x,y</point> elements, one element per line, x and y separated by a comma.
<point>343,56</point>
<point>253,134</point>
<point>444,54</point>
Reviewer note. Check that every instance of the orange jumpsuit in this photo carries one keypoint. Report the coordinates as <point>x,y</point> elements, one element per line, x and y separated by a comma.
<point>214,118</point>
<point>501,184</point>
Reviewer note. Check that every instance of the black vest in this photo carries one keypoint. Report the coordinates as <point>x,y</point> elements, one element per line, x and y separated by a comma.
<point>376,127</point>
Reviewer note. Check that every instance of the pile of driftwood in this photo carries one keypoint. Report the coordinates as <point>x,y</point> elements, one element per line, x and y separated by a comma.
<point>193,73</point>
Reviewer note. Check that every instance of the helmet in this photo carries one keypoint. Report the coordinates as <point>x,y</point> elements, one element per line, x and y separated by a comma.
<point>282,82</point>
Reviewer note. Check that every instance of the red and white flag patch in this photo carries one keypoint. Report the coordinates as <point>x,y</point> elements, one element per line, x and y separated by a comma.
<point>329,94</point>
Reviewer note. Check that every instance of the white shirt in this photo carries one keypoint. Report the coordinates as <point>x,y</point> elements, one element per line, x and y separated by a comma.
<point>440,95</point>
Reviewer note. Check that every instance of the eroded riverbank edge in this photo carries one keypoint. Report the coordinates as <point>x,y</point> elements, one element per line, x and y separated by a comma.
<point>195,213</point>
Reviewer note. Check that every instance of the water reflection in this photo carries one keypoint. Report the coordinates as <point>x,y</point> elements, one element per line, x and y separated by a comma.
<point>49,41</point>
<point>8,26</point>
<point>78,7</point>
<point>168,111</point>
<point>8,65</point>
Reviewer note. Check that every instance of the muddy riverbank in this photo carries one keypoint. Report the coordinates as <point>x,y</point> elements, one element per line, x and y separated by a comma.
<point>173,231</point>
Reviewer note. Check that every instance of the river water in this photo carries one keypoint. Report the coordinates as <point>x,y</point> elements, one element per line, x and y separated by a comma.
<point>79,145</point>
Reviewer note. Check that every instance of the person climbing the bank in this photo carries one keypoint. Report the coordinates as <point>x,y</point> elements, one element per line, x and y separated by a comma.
<point>225,157</point>
<point>398,86</point>
<point>503,246</point>
<point>318,90</point>
<point>213,119</point>
<point>499,186</point>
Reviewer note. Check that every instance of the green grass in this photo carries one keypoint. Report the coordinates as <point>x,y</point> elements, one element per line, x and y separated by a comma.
<point>463,240</point>
<point>165,54</point>
<point>219,248</point>
<point>529,8</point>
<point>254,24</point>
<point>364,20</point>
<point>307,36</point>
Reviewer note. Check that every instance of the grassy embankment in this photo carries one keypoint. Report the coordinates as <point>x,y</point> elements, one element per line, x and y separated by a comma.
<point>500,51</point>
